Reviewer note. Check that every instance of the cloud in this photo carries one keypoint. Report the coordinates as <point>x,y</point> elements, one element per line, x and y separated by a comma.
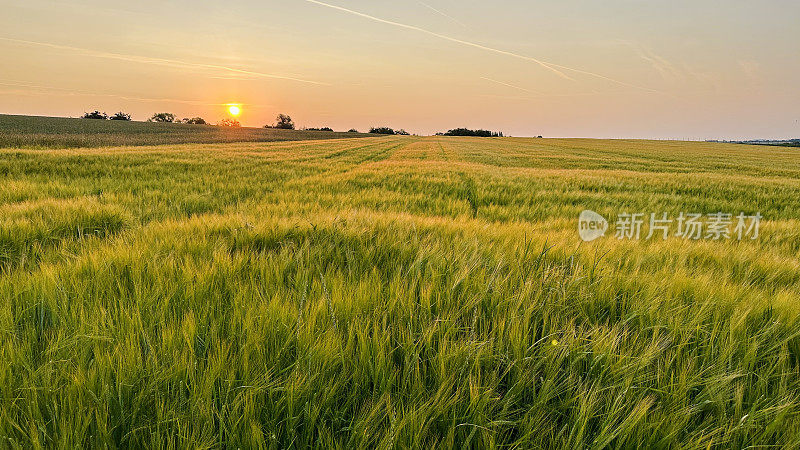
<point>751,69</point>
<point>538,96</point>
<point>26,88</point>
<point>161,61</point>
<point>558,69</point>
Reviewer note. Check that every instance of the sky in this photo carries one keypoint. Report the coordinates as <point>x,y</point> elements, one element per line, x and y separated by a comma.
<point>661,69</point>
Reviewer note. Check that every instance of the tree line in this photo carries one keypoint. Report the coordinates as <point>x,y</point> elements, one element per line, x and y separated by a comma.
<point>163,117</point>
<point>389,131</point>
<point>283,122</point>
<point>468,132</point>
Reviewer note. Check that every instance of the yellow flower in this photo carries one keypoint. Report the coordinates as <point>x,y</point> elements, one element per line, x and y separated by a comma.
<point>555,342</point>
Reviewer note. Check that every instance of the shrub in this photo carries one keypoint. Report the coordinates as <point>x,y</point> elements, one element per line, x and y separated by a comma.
<point>162,118</point>
<point>95,115</point>
<point>121,116</point>
<point>194,121</point>
<point>319,129</point>
<point>352,130</point>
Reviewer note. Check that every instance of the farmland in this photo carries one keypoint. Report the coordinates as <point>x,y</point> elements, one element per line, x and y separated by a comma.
<point>394,292</point>
<point>62,132</point>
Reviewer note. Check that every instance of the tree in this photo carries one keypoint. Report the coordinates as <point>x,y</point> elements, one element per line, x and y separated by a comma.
<point>194,121</point>
<point>381,130</point>
<point>284,122</point>
<point>403,132</point>
<point>95,115</point>
<point>162,118</point>
<point>229,123</point>
<point>121,116</point>
<point>352,130</point>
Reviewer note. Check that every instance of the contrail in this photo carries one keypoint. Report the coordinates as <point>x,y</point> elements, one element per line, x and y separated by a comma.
<point>441,13</point>
<point>547,65</point>
<point>666,69</point>
<point>510,85</point>
<point>159,61</point>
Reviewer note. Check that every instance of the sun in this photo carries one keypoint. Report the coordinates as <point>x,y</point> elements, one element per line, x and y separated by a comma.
<point>234,110</point>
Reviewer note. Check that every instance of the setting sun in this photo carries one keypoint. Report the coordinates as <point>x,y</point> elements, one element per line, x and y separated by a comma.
<point>234,110</point>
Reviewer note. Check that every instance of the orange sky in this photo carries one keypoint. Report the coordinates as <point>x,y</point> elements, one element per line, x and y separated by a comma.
<point>619,68</point>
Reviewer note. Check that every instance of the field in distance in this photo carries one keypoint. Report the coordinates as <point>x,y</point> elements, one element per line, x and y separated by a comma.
<point>396,292</point>
<point>61,132</point>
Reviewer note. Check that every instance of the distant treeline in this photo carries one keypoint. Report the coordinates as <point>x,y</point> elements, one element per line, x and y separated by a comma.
<point>389,131</point>
<point>157,117</point>
<point>282,121</point>
<point>787,143</point>
<point>773,142</point>
<point>468,132</point>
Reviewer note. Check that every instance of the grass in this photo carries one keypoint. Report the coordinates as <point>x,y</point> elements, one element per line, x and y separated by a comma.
<point>395,292</point>
<point>60,132</point>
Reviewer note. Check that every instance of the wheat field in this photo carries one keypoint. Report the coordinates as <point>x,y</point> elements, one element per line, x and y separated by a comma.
<point>395,292</point>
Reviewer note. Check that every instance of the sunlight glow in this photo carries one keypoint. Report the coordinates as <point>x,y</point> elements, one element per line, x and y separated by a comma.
<point>234,110</point>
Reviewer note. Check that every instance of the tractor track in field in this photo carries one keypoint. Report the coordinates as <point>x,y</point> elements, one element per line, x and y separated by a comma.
<point>370,158</point>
